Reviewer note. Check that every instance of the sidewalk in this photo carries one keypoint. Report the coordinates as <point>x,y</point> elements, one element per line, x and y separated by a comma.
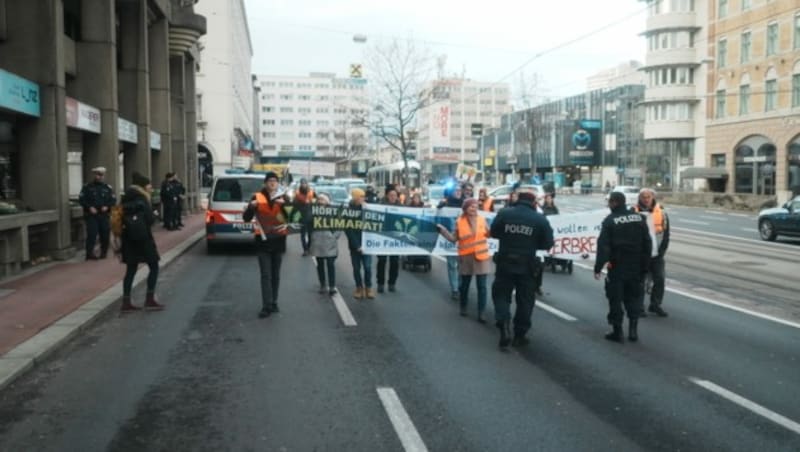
<point>42,310</point>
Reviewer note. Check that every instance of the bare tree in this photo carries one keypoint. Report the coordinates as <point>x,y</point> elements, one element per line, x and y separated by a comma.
<point>398,72</point>
<point>348,138</point>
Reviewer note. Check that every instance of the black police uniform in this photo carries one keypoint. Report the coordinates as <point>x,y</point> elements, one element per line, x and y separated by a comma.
<point>178,191</point>
<point>624,243</point>
<point>98,195</point>
<point>521,231</point>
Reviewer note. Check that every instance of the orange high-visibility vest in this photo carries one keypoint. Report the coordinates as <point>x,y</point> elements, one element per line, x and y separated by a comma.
<point>304,199</point>
<point>658,218</point>
<point>473,242</point>
<point>487,205</point>
<point>269,216</point>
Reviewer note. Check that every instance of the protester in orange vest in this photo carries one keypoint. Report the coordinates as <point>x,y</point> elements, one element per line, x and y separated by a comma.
<point>658,224</point>
<point>486,203</point>
<point>303,197</point>
<point>471,236</point>
<point>268,208</point>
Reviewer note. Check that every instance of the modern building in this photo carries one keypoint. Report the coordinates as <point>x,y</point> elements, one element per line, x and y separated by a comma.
<point>225,89</point>
<point>676,74</point>
<point>544,141</point>
<point>86,84</point>
<point>319,116</point>
<point>627,73</point>
<point>445,136</point>
<point>753,132</point>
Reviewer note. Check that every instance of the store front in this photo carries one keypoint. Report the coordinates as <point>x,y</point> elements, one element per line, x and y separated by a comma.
<point>19,104</point>
<point>83,124</point>
<point>128,135</point>
<point>793,154</point>
<point>755,166</point>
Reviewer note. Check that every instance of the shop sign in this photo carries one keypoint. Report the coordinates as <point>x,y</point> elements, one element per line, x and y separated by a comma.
<point>82,116</point>
<point>18,94</point>
<point>127,131</point>
<point>155,140</point>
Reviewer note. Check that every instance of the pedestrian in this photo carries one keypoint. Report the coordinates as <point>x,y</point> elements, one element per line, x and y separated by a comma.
<point>467,190</point>
<point>549,207</point>
<point>97,198</point>
<point>325,248</point>
<point>471,234</point>
<point>623,244</point>
<point>168,201</point>
<point>303,197</point>
<point>268,208</point>
<point>138,244</point>
<point>416,200</point>
<point>522,231</point>
<point>452,198</point>
<point>371,196</point>
<point>658,227</point>
<point>486,204</point>
<point>391,199</point>
<point>180,194</point>
<point>358,259</point>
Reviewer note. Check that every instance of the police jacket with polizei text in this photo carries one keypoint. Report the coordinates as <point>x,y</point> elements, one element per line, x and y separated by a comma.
<point>96,194</point>
<point>624,242</point>
<point>521,231</point>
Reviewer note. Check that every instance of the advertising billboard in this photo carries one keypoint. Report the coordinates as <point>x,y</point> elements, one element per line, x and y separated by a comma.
<point>585,142</point>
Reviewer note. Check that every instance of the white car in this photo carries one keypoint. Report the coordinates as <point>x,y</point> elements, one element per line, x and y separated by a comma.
<point>500,194</point>
<point>631,193</point>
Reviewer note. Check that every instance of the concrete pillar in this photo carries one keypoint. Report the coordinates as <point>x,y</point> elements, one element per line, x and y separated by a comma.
<point>192,180</point>
<point>33,52</point>
<point>160,103</point>
<point>134,84</point>
<point>96,84</point>
<point>177,68</point>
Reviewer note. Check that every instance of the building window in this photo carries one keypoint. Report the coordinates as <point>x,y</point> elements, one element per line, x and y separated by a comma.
<point>304,122</point>
<point>287,110</point>
<point>269,122</point>
<point>746,5</point>
<point>796,90</point>
<point>286,97</point>
<point>304,110</point>
<point>304,97</point>
<point>744,99</point>
<point>722,53</point>
<point>323,123</point>
<point>287,122</point>
<point>747,42</point>
<point>721,103</point>
<point>797,31</point>
<point>723,9</point>
<point>771,89</point>
<point>287,147</point>
<point>304,135</point>
<point>772,39</point>
<point>269,134</point>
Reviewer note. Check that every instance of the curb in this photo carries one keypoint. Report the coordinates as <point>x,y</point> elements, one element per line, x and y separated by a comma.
<point>33,351</point>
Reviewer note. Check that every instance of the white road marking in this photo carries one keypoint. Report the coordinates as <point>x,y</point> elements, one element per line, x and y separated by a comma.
<point>742,215</point>
<point>744,403</point>
<point>708,217</point>
<point>702,223</point>
<point>401,422</point>
<point>715,302</point>
<point>344,311</point>
<point>441,258</point>
<point>715,212</point>
<point>555,311</point>
<point>748,229</point>
<point>724,236</point>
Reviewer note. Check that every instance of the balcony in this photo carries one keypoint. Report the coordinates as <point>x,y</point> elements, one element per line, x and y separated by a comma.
<point>672,57</point>
<point>668,129</point>
<point>670,92</point>
<point>672,21</point>
<point>185,28</point>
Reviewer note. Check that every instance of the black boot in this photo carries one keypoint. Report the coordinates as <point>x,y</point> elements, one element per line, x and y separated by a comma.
<point>505,334</point>
<point>656,309</point>
<point>633,333</point>
<point>616,335</point>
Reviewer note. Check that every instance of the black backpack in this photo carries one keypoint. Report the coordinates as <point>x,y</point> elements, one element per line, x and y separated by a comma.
<point>135,226</point>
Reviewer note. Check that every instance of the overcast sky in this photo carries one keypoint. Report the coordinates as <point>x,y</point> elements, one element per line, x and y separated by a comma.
<point>487,42</point>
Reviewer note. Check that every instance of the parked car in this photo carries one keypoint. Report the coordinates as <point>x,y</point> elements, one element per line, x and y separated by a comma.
<point>784,220</point>
<point>226,202</point>
<point>500,194</point>
<point>337,193</point>
<point>432,194</point>
<point>631,193</point>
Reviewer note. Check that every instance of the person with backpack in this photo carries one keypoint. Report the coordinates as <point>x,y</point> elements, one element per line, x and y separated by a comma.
<point>138,245</point>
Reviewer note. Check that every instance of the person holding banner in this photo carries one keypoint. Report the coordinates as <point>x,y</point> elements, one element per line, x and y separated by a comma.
<point>453,198</point>
<point>392,199</point>
<point>271,228</point>
<point>303,197</point>
<point>623,244</point>
<point>471,236</point>
<point>521,231</point>
<point>486,203</point>
<point>325,248</point>
<point>358,259</point>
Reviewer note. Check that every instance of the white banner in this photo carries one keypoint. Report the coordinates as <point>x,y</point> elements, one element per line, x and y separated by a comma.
<point>311,168</point>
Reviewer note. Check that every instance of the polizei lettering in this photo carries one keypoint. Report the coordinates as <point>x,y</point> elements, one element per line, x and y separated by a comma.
<point>628,219</point>
<point>518,229</point>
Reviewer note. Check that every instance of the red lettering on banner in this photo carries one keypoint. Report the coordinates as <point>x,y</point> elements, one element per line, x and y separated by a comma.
<point>575,246</point>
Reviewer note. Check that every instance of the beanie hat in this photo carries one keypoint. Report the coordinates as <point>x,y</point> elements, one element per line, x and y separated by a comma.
<point>469,202</point>
<point>270,175</point>
<point>140,180</point>
<point>357,193</point>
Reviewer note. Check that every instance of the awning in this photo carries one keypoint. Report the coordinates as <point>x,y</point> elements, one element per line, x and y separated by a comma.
<point>704,173</point>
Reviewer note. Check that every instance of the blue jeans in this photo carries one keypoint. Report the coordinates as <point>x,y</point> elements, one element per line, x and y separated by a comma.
<point>360,260</point>
<point>452,273</point>
<point>480,283</point>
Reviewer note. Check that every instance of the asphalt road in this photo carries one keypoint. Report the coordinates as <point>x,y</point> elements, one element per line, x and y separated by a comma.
<point>206,374</point>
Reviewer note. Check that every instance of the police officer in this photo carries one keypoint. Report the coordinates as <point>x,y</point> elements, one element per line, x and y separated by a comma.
<point>97,198</point>
<point>658,225</point>
<point>521,231</point>
<point>624,244</point>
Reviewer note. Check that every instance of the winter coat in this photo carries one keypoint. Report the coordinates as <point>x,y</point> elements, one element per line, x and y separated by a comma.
<point>353,237</point>
<point>137,201</point>
<point>325,243</point>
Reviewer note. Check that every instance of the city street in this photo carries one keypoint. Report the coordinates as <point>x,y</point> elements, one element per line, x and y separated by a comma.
<point>405,372</point>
